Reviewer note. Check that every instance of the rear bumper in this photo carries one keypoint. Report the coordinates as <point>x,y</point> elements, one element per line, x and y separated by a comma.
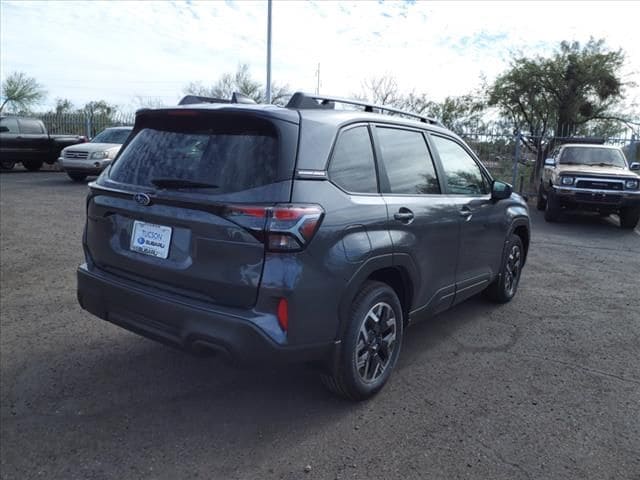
<point>183,324</point>
<point>589,199</point>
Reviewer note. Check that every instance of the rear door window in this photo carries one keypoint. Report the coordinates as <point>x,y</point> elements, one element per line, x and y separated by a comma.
<point>407,161</point>
<point>352,166</point>
<point>234,157</point>
<point>31,127</point>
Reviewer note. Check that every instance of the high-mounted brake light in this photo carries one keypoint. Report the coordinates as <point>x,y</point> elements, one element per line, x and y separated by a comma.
<point>282,227</point>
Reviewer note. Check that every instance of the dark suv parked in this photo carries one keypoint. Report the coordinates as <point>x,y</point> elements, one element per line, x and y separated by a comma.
<point>303,233</point>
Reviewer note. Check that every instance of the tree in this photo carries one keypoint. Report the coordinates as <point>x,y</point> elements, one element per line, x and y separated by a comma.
<point>460,113</point>
<point>148,102</point>
<point>63,105</point>
<point>21,92</point>
<point>99,115</point>
<point>382,90</point>
<point>558,95</point>
<point>241,82</point>
<point>457,113</point>
<point>99,108</point>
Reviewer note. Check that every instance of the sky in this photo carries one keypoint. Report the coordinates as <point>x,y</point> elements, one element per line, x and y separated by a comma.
<point>121,50</point>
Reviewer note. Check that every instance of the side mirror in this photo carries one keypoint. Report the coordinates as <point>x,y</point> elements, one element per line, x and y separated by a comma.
<point>4,129</point>
<point>634,166</point>
<point>549,162</point>
<point>500,190</point>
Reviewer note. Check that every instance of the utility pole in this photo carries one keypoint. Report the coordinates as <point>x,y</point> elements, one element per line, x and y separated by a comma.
<point>268,51</point>
<point>318,75</point>
<point>516,158</point>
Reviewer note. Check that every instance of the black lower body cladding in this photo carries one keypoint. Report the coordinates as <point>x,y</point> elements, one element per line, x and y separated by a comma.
<point>185,325</point>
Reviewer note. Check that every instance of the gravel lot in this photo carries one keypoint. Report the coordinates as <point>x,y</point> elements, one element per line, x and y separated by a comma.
<point>546,387</point>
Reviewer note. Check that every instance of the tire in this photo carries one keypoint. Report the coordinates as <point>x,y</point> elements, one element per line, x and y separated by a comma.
<point>629,217</point>
<point>552,209</point>
<point>370,348</point>
<point>504,288</point>
<point>7,164</point>
<point>77,177</point>
<point>541,204</point>
<point>32,165</point>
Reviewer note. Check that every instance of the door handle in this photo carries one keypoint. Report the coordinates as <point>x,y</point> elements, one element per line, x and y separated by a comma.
<point>404,215</point>
<point>466,213</point>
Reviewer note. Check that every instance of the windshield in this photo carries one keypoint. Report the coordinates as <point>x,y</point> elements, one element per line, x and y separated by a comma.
<point>592,156</point>
<point>112,135</point>
<point>231,161</point>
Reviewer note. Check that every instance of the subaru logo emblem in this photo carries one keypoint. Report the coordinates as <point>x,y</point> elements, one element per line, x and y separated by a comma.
<point>142,199</point>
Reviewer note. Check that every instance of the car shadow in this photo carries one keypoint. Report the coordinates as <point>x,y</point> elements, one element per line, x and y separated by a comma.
<point>589,224</point>
<point>133,372</point>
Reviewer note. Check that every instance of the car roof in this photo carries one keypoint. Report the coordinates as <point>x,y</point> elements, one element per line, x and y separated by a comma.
<point>120,127</point>
<point>338,118</point>
<point>329,117</point>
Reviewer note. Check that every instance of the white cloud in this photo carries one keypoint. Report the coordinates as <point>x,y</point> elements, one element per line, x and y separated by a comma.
<point>116,50</point>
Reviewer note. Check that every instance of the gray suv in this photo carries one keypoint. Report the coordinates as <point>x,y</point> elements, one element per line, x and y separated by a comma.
<point>307,233</point>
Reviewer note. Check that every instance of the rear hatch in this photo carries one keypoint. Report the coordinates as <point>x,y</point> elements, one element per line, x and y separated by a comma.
<point>170,212</point>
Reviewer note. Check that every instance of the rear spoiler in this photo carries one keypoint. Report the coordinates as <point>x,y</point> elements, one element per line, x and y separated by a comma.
<point>235,98</point>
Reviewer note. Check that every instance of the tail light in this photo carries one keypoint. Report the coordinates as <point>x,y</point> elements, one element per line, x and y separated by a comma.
<point>283,314</point>
<point>282,228</point>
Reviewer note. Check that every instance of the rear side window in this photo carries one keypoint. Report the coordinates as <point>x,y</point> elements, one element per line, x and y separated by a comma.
<point>352,166</point>
<point>11,124</point>
<point>31,127</point>
<point>407,161</point>
<point>462,174</point>
<point>233,155</point>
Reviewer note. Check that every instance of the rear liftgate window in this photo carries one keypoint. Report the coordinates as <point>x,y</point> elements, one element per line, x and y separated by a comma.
<point>232,154</point>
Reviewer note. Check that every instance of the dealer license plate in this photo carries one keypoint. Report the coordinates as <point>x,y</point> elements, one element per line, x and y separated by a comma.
<point>150,239</point>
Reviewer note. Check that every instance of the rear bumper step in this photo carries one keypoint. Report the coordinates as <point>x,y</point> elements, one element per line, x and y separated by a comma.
<point>188,327</point>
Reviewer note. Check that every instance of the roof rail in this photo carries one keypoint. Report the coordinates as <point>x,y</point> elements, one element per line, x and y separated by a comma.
<point>303,100</point>
<point>235,98</point>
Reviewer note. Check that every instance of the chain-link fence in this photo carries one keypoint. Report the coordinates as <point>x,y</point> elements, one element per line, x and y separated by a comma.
<point>507,159</point>
<point>515,161</point>
<point>83,124</point>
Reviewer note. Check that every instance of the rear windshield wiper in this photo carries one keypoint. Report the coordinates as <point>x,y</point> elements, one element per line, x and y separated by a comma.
<point>176,183</point>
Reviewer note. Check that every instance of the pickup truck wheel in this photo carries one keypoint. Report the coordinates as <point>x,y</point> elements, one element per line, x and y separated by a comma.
<point>77,177</point>
<point>629,217</point>
<point>504,288</point>
<point>7,164</point>
<point>370,345</point>
<point>552,209</point>
<point>541,204</point>
<point>32,165</point>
